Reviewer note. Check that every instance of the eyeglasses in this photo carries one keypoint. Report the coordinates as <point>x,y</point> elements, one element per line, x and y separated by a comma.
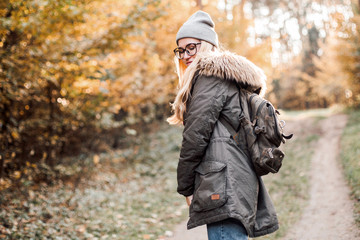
<point>190,49</point>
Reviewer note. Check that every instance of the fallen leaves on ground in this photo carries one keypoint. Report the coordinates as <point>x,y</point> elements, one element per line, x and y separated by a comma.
<point>132,199</point>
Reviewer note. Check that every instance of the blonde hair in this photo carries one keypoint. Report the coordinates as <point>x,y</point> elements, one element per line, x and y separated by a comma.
<point>186,75</point>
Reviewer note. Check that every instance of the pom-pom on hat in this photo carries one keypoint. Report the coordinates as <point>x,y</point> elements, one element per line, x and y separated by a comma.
<point>200,26</point>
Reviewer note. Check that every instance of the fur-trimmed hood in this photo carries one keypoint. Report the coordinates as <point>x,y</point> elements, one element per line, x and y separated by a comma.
<point>231,66</point>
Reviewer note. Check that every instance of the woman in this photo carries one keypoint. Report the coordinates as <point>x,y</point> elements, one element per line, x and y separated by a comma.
<point>214,173</point>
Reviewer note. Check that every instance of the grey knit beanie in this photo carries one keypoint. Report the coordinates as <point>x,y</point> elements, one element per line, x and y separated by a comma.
<point>200,26</point>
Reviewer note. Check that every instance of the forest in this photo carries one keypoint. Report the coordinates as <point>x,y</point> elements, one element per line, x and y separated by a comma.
<point>82,77</point>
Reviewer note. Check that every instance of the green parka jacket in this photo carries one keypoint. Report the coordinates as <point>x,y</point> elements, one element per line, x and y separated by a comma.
<point>212,167</point>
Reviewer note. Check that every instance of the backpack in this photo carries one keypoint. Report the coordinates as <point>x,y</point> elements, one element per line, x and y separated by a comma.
<point>263,131</point>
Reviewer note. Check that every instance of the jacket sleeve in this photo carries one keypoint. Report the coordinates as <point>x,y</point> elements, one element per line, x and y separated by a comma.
<point>206,103</point>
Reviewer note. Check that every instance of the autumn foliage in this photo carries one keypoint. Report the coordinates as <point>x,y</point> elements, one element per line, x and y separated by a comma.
<point>80,76</point>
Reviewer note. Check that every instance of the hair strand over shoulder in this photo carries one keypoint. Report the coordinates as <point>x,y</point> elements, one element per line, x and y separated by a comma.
<point>185,75</point>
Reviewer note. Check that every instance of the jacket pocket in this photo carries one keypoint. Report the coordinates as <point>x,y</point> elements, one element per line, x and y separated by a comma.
<point>210,186</point>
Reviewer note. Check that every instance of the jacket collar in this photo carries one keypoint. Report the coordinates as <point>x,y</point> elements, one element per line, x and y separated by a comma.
<point>234,67</point>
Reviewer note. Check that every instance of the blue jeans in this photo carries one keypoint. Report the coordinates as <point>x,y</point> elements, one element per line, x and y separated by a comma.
<point>228,229</point>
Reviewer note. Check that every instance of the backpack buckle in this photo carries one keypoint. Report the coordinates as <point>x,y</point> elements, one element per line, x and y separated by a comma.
<point>282,124</point>
<point>259,129</point>
<point>270,152</point>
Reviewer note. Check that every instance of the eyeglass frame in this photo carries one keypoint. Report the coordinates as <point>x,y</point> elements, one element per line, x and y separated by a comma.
<point>187,51</point>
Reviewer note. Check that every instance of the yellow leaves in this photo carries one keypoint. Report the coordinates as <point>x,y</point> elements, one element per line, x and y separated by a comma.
<point>4,183</point>
<point>155,63</point>
<point>96,159</point>
<point>23,44</point>
<point>14,134</point>
<point>93,63</point>
<point>104,104</point>
<point>44,155</point>
<point>86,85</point>
<point>31,165</point>
<point>3,12</point>
<point>54,140</point>
<point>16,175</point>
<point>71,67</point>
<point>63,91</point>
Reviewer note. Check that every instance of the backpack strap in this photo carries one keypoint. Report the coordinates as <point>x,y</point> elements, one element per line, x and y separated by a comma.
<point>224,122</point>
<point>228,126</point>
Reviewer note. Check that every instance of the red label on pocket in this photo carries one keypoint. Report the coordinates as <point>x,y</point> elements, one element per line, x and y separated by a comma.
<point>215,197</point>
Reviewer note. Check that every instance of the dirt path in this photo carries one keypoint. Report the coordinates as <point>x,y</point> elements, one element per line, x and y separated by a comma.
<point>329,212</point>
<point>181,233</point>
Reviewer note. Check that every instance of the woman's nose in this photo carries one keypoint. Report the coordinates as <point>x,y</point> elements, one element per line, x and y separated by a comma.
<point>186,55</point>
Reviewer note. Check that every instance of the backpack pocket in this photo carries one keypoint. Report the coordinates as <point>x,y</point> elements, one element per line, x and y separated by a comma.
<point>271,123</point>
<point>271,160</point>
<point>210,186</point>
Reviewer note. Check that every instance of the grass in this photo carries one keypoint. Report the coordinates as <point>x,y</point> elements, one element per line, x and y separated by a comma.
<point>350,158</point>
<point>131,195</point>
<point>319,113</point>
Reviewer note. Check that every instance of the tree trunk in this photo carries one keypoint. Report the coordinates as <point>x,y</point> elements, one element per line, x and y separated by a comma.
<point>49,147</point>
<point>6,137</point>
<point>225,10</point>
<point>240,23</point>
<point>1,167</point>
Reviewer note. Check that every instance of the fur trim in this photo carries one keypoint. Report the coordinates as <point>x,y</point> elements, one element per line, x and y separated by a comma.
<point>231,66</point>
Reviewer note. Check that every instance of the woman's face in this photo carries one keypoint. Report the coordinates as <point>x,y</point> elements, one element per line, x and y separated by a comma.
<point>190,45</point>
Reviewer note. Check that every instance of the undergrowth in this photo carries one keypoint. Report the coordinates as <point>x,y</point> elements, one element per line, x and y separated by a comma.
<point>131,194</point>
